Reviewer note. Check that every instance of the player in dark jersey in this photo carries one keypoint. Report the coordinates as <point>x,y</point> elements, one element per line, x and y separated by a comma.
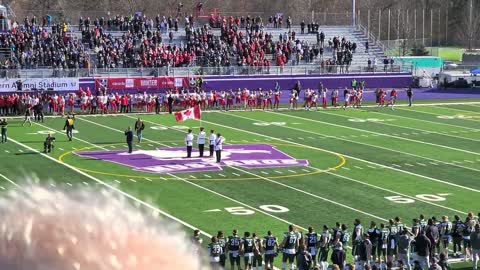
<point>289,246</point>
<point>257,252</point>
<point>415,227</point>
<point>383,243</point>
<point>457,232</point>
<point>223,243</point>
<point>344,236</point>
<point>323,246</point>
<point>399,224</point>
<point>392,241</point>
<point>270,245</point>
<point>423,222</point>
<point>445,233</point>
<point>337,232</point>
<point>374,235</point>
<point>233,247</point>
<point>356,236</point>
<point>246,247</point>
<point>215,250</point>
<point>311,243</point>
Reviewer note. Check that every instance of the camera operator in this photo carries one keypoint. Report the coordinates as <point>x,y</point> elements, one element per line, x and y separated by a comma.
<point>48,144</point>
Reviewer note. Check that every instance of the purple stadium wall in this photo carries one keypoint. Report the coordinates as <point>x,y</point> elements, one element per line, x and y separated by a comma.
<point>392,80</point>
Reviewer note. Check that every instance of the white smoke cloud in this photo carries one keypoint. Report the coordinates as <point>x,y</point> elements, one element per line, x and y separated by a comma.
<point>49,228</point>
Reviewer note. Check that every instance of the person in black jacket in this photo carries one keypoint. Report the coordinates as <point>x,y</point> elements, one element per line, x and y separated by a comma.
<point>170,103</point>
<point>129,137</point>
<point>365,251</point>
<point>157,105</point>
<point>338,255</point>
<point>431,231</point>
<point>423,247</point>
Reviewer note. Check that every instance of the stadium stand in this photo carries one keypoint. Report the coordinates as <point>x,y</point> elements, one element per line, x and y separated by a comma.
<point>134,41</point>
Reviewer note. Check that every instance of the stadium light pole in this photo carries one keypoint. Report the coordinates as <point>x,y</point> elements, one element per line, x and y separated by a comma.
<point>353,12</point>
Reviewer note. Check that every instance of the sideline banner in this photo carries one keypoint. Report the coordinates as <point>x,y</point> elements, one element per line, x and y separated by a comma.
<point>145,83</point>
<point>57,84</point>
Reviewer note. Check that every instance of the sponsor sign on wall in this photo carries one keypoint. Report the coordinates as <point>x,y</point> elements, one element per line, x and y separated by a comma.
<point>143,83</point>
<point>57,84</point>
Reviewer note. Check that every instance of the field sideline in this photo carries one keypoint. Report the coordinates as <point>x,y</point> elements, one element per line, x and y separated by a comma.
<point>371,163</point>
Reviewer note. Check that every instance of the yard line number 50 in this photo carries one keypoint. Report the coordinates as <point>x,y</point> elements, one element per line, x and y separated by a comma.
<point>242,211</point>
<point>424,197</point>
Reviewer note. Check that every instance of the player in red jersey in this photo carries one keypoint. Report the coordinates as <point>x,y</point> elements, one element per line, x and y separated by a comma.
<point>238,98</point>
<point>393,98</point>
<point>245,99</point>
<point>277,95</point>
<point>71,97</point>
<point>324,98</point>
<point>382,98</point>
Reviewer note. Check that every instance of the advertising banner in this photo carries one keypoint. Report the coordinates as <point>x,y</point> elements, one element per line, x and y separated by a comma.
<point>145,83</point>
<point>57,84</point>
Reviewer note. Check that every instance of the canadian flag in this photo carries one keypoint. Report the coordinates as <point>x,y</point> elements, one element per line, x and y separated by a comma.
<point>192,113</point>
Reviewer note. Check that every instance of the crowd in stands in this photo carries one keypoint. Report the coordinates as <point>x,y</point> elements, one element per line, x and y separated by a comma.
<point>33,45</point>
<point>149,42</point>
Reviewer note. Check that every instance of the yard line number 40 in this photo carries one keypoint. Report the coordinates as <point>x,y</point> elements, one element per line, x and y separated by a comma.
<point>424,197</point>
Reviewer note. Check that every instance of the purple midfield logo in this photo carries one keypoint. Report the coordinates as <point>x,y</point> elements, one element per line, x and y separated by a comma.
<point>173,160</point>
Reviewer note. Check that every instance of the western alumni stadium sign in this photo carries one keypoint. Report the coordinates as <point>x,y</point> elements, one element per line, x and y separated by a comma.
<point>57,84</point>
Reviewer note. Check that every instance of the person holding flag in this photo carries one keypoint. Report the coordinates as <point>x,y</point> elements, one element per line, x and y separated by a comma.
<point>192,113</point>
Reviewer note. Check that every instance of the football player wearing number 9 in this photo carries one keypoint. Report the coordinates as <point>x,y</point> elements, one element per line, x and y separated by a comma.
<point>290,247</point>
<point>233,247</point>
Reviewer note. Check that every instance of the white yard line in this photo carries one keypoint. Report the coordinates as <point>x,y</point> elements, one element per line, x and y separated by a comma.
<point>394,192</point>
<point>235,201</point>
<point>9,180</point>
<point>75,138</point>
<point>131,197</point>
<point>423,120</point>
<point>310,194</point>
<point>372,132</point>
<point>362,143</point>
<point>428,132</point>
<point>351,157</point>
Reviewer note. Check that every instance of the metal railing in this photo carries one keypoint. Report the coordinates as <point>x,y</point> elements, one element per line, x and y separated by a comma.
<point>372,37</point>
<point>203,71</point>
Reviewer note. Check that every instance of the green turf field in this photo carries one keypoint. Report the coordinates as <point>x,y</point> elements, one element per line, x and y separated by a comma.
<point>371,163</point>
